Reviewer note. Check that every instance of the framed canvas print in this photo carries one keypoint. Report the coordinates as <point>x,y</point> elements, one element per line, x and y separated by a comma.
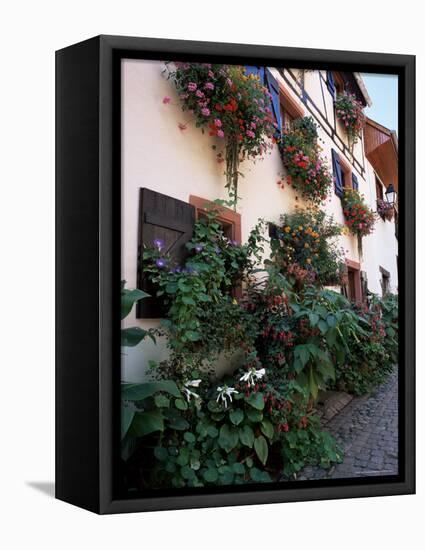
<point>235,274</point>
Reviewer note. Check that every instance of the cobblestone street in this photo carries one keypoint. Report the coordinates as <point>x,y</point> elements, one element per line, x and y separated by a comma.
<point>367,430</point>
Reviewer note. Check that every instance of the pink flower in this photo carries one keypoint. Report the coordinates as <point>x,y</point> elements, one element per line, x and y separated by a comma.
<point>192,86</point>
<point>182,126</point>
<point>210,74</point>
<point>218,123</point>
<point>209,86</point>
<point>250,134</point>
<point>220,133</point>
<point>205,111</point>
<point>166,100</point>
<point>199,93</point>
<point>253,125</point>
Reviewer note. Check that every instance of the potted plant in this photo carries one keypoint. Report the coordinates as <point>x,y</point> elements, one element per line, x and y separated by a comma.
<point>359,218</point>
<point>350,112</point>
<point>230,105</point>
<point>307,170</point>
<point>385,209</point>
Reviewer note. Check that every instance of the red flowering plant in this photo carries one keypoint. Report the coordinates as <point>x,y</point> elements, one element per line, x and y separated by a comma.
<point>307,170</point>
<point>350,112</point>
<point>359,218</point>
<point>232,107</point>
<point>385,209</point>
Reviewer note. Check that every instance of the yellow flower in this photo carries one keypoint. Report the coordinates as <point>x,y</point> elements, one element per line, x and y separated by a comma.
<point>234,302</point>
<point>287,229</point>
<point>300,227</point>
<point>309,260</point>
<point>306,245</point>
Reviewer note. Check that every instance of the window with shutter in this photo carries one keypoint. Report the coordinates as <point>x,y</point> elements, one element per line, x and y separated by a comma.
<point>338,174</point>
<point>355,181</point>
<point>353,290</point>
<point>331,83</point>
<point>229,220</point>
<point>290,109</point>
<point>273,88</point>
<point>171,220</point>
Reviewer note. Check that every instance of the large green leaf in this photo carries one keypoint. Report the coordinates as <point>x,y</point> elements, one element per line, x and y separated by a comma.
<point>127,416</point>
<point>228,438</point>
<point>254,415</point>
<point>211,475</point>
<point>261,448</point>
<point>129,298</point>
<point>312,382</point>
<point>178,423</point>
<point>325,366</point>
<point>132,336</point>
<point>236,416</point>
<point>137,392</point>
<point>246,435</point>
<point>145,423</point>
<point>267,428</point>
<point>302,353</point>
<point>256,400</point>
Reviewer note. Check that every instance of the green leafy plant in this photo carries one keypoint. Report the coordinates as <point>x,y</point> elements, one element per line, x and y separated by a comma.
<point>305,246</point>
<point>372,356</point>
<point>134,335</point>
<point>203,316</point>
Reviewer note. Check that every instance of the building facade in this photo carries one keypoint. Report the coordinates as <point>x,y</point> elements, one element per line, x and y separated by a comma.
<point>164,153</point>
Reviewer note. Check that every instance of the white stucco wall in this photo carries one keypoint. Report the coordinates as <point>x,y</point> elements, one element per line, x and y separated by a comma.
<point>158,155</point>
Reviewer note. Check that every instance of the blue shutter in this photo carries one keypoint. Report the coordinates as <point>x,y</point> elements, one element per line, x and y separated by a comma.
<point>338,175</point>
<point>355,181</point>
<point>258,71</point>
<point>331,83</point>
<point>273,87</point>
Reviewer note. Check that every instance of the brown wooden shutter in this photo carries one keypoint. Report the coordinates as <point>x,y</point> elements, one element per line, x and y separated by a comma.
<point>169,219</point>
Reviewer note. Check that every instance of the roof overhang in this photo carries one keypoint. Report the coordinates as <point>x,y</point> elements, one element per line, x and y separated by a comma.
<point>381,149</point>
<point>360,83</point>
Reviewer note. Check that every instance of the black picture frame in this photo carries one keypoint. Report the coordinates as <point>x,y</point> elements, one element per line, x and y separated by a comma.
<point>88,271</point>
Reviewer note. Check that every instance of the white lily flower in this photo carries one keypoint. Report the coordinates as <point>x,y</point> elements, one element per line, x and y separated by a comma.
<point>252,376</point>
<point>224,393</point>
<point>188,392</point>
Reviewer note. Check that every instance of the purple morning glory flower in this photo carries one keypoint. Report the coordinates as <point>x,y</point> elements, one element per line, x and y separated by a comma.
<point>161,262</point>
<point>199,247</point>
<point>159,244</point>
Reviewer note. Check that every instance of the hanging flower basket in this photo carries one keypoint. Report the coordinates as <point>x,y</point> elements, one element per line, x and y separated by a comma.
<point>307,171</point>
<point>350,112</point>
<point>385,209</point>
<point>359,218</point>
<point>230,106</point>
